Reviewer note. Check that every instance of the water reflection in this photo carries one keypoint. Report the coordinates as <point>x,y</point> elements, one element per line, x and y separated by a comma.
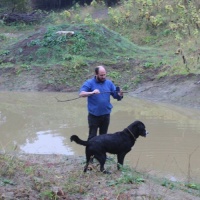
<point>37,123</point>
<point>47,142</point>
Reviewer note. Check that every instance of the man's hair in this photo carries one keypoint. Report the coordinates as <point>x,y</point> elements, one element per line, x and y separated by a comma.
<point>97,69</point>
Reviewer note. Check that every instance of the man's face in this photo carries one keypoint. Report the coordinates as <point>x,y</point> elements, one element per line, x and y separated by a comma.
<point>101,76</point>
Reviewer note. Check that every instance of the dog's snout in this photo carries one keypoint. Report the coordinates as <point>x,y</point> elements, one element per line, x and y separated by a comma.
<point>147,133</point>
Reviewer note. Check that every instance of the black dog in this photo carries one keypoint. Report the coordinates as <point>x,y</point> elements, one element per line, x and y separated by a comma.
<point>119,143</point>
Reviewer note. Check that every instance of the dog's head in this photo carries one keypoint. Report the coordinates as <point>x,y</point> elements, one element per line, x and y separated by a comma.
<point>138,129</point>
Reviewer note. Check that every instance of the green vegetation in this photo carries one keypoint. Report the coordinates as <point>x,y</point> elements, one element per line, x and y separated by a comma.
<point>139,39</point>
<point>16,5</point>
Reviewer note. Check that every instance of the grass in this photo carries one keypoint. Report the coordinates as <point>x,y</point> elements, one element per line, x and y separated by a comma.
<point>69,58</point>
<point>89,42</point>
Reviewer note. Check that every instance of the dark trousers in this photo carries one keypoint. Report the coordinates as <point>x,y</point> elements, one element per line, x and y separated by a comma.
<point>98,122</point>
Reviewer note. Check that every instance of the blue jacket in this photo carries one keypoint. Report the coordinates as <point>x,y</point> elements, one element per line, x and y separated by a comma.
<point>99,104</point>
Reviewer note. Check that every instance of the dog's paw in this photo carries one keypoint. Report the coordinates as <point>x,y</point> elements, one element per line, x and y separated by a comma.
<point>106,172</point>
<point>90,167</point>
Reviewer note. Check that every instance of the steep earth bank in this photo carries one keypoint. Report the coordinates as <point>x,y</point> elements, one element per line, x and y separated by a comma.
<point>179,90</point>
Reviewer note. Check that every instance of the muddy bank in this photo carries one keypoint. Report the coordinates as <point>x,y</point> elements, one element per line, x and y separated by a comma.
<point>178,90</point>
<point>48,177</point>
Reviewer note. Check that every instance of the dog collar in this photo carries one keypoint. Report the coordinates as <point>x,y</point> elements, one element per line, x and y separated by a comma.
<point>131,133</point>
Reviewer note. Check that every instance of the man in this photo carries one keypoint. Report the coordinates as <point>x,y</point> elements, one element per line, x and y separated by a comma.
<point>98,91</point>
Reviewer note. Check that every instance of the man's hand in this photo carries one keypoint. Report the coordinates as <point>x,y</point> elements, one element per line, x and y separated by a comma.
<point>87,94</point>
<point>120,93</point>
<point>96,91</point>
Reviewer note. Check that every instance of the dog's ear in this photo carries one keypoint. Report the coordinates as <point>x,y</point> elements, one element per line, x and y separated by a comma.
<point>141,125</point>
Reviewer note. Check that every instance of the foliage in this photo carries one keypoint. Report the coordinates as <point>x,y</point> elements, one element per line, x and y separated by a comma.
<point>168,184</point>
<point>114,75</point>
<point>119,38</point>
<point>17,5</point>
<point>193,186</point>
<point>5,52</point>
<point>128,176</point>
<point>50,39</point>
<point>89,40</point>
<point>170,24</point>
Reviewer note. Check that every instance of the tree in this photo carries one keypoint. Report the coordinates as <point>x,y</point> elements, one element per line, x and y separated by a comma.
<point>16,5</point>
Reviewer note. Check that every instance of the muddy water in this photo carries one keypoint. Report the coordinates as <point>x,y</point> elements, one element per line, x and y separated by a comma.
<point>37,123</point>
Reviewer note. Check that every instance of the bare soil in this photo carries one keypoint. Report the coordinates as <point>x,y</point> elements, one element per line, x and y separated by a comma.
<point>179,90</point>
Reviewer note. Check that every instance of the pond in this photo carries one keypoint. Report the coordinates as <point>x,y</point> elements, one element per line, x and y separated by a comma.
<point>36,123</point>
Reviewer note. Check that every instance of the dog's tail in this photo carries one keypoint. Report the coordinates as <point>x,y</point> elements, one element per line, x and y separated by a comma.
<point>76,139</point>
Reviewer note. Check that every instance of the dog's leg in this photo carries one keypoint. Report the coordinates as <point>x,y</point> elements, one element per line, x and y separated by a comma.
<point>88,160</point>
<point>102,159</point>
<point>86,167</point>
<point>120,159</point>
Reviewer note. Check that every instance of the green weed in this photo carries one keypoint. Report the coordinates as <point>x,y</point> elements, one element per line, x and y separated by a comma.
<point>125,87</point>
<point>2,37</point>
<point>4,53</point>
<point>137,79</point>
<point>193,186</point>
<point>8,165</point>
<point>128,176</point>
<point>72,186</point>
<point>148,65</point>
<point>168,184</point>
<point>162,74</point>
<point>114,75</point>
<point>78,44</point>
<point>48,194</point>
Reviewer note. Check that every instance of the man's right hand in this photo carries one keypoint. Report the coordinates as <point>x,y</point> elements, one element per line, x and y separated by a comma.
<point>87,94</point>
<point>96,91</point>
